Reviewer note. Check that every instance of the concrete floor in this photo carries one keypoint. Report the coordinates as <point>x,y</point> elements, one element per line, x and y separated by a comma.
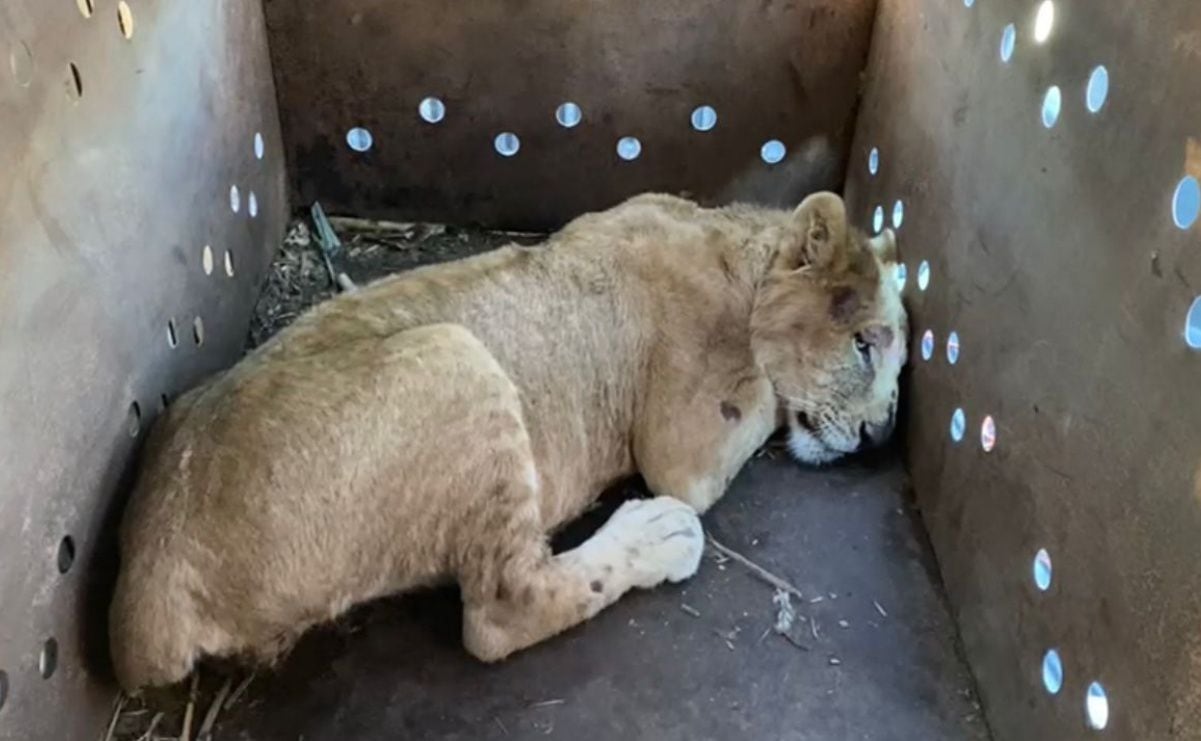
<point>696,661</point>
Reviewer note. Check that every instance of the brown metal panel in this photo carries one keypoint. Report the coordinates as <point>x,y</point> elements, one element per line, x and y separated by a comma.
<point>116,163</point>
<point>1055,258</point>
<point>772,70</point>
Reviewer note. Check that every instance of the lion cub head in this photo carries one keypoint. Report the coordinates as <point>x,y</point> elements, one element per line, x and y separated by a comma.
<point>829,328</point>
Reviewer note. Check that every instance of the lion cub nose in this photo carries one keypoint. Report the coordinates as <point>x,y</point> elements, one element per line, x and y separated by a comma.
<point>871,436</point>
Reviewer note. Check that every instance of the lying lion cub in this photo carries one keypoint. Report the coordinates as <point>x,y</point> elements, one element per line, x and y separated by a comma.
<point>439,424</point>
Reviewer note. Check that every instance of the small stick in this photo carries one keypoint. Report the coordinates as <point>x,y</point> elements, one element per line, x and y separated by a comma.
<point>117,708</point>
<point>756,569</point>
<point>502,726</point>
<point>880,609</point>
<point>345,283</point>
<point>795,642</point>
<point>548,703</point>
<point>690,610</point>
<point>206,727</point>
<point>185,733</point>
<point>158,717</point>
<point>237,693</point>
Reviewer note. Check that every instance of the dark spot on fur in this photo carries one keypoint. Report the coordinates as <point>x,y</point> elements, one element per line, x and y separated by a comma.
<point>597,586</point>
<point>551,593</point>
<point>632,552</point>
<point>844,303</point>
<point>607,569</point>
<point>502,592</point>
<point>527,596</point>
<point>730,412</point>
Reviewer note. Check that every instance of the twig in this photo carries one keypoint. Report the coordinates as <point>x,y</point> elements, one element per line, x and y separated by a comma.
<point>756,569</point>
<point>158,718</point>
<point>548,703</point>
<point>241,689</point>
<point>345,283</point>
<point>117,708</point>
<point>502,726</point>
<point>788,637</point>
<point>880,609</point>
<point>185,733</point>
<point>690,610</point>
<point>210,717</point>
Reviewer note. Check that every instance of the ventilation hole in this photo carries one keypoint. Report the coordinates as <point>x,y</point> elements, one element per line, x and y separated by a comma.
<point>133,419</point>
<point>928,345</point>
<point>953,347</point>
<point>260,148</point>
<point>1044,20</point>
<point>172,337</point>
<point>629,148</point>
<point>48,660</point>
<point>902,276</point>
<point>66,554</point>
<point>569,115</point>
<point>252,205</point>
<point>206,259</point>
<point>968,3</point>
<point>125,19</point>
<point>958,425</point>
<point>20,63</point>
<point>1096,707</point>
<point>772,151</point>
<point>198,331</point>
<point>74,82</point>
<point>1009,38</point>
<point>923,275</point>
<point>1042,570</point>
<point>988,434</point>
<point>704,118</point>
<point>507,144</point>
<point>235,199</point>
<point>359,139</point>
<point>1098,89</point>
<point>1186,202</point>
<point>229,263</point>
<point>878,219</point>
<point>432,110</point>
<point>1051,103</point>
<point>3,689</point>
<point>873,161</point>
<point>1052,672</point>
<point>898,214</point>
<point>86,7</point>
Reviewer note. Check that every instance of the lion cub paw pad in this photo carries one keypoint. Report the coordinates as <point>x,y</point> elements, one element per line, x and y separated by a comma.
<point>659,538</point>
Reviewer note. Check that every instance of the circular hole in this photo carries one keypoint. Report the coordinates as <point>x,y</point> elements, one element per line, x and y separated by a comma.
<point>923,275</point>
<point>953,347</point>
<point>902,276</point>
<point>873,161</point>
<point>928,345</point>
<point>1009,38</point>
<point>1042,570</point>
<point>206,260</point>
<point>1186,202</point>
<point>66,554</point>
<point>704,118</point>
<point>1096,707</point>
<point>988,434</point>
<point>772,151</point>
<point>86,7</point>
<point>229,263</point>
<point>507,144</point>
<point>48,660</point>
<point>133,419</point>
<point>235,199</point>
<point>1051,103</point>
<point>260,148</point>
<point>432,110</point>
<point>1098,88</point>
<point>20,63</point>
<point>125,19</point>
<point>359,139</point>
<point>878,219</point>
<point>1044,20</point>
<point>898,214</point>
<point>568,115</point>
<point>1052,672</point>
<point>3,689</point>
<point>629,148</point>
<point>958,424</point>
<point>74,82</point>
<point>252,205</point>
<point>198,330</point>
<point>172,337</point>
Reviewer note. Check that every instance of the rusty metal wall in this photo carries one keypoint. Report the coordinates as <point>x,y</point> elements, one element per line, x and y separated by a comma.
<point>1055,256</point>
<point>125,126</point>
<point>771,70</point>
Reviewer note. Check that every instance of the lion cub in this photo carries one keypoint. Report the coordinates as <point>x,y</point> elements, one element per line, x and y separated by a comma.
<point>438,424</point>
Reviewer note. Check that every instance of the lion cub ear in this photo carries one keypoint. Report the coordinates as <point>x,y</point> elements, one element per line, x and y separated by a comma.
<point>821,225</point>
<point>884,246</point>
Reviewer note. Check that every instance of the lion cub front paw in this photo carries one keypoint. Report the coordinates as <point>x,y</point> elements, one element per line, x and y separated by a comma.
<point>654,540</point>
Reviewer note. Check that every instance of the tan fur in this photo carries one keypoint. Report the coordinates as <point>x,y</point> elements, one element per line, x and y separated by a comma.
<point>438,424</point>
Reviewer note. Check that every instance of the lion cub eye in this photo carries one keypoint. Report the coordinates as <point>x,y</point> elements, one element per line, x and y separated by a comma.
<point>864,347</point>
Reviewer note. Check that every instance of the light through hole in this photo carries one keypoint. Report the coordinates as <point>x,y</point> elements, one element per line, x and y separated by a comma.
<point>923,275</point>
<point>252,205</point>
<point>898,214</point>
<point>507,144</point>
<point>958,424</point>
<point>772,152</point>
<point>873,161</point>
<point>1051,104</point>
<point>1009,38</point>
<point>1052,672</point>
<point>704,118</point>
<point>928,345</point>
<point>172,338</point>
<point>198,330</point>
<point>229,263</point>
<point>953,347</point>
<point>988,434</point>
<point>1096,707</point>
<point>1042,570</point>
<point>1044,21</point>
<point>48,659</point>
<point>1098,88</point>
<point>66,554</point>
<point>235,199</point>
<point>260,147</point>
<point>86,7</point>
<point>206,260</point>
<point>628,148</point>
<point>432,110</point>
<point>878,219</point>
<point>569,115</point>
<point>902,276</point>
<point>125,19</point>
<point>359,139</point>
<point>1186,202</point>
<point>133,419</point>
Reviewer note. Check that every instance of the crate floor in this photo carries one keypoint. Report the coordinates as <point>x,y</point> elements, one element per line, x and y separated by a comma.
<point>874,657</point>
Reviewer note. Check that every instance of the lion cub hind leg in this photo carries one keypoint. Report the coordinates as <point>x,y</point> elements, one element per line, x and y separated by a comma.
<point>533,595</point>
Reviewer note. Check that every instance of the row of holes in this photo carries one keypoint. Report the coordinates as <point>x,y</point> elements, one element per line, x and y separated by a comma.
<point>568,115</point>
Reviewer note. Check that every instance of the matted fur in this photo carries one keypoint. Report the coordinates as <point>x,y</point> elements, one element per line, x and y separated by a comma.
<point>438,424</point>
